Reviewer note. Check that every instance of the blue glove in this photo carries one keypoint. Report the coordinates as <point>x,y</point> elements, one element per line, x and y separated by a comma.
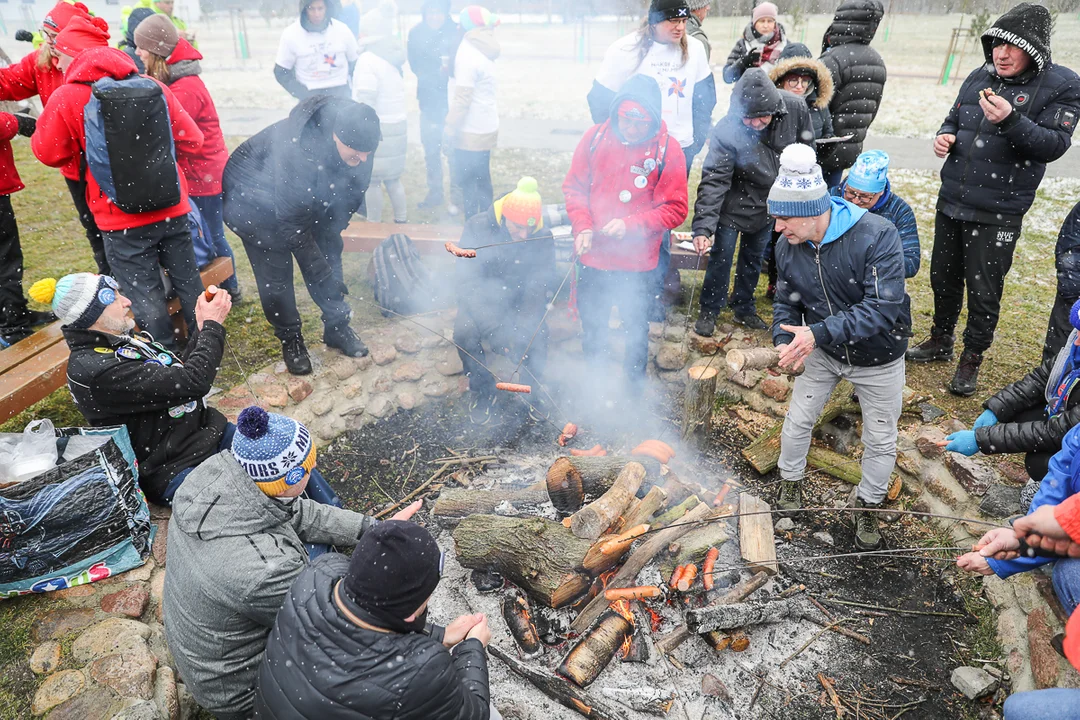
<point>962,442</point>
<point>987,419</point>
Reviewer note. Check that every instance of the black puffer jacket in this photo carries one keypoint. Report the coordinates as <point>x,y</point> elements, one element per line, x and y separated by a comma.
<point>319,664</point>
<point>993,171</point>
<point>1026,393</point>
<point>1067,255</point>
<point>859,78</point>
<point>742,163</point>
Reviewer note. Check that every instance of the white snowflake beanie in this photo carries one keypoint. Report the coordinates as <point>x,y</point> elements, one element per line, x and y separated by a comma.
<point>276,451</point>
<point>799,190</point>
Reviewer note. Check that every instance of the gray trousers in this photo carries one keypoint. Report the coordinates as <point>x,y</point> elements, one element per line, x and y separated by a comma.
<point>881,396</point>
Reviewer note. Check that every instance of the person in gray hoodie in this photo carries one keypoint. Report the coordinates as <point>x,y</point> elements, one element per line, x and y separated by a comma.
<point>236,543</point>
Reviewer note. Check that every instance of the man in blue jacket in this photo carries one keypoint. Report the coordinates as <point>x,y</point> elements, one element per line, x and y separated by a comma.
<point>840,303</point>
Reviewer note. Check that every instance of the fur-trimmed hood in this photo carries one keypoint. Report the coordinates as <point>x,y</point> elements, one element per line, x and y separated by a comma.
<point>823,81</point>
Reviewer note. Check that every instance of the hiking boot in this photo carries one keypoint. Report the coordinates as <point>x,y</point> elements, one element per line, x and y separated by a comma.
<point>296,356</point>
<point>481,408</point>
<point>967,374</point>
<point>753,321</point>
<point>344,339</point>
<point>706,324</point>
<point>11,335</point>
<point>867,532</point>
<point>937,348</point>
<point>789,499</point>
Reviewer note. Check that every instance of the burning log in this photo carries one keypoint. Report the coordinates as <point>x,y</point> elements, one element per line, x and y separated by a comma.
<point>609,550</point>
<point>559,690</point>
<point>676,512</point>
<point>679,490</point>
<point>641,512</point>
<point>570,480</point>
<point>540,556</point>
<point>515,611</point>
<point>637,651</point>
<point>455,504</point>
<point>653,701</point>
<point>752,359</point>
<point>728,617</point>
<point>595,650</point>
<point>638,559</point>
<point>737,594</point>
<point>596,517</point>
<point>698,409</point>
<point>595,589</point>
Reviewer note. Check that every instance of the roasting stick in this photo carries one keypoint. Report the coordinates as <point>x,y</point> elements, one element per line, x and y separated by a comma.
<point>209,294</point>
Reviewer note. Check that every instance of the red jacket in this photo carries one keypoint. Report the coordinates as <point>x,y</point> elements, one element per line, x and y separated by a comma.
<point>60,139</point>
<point>203,170</point>
<point>1068,516</point>
<point>25,79</point>
<point>9,176</point>
<point>603,169</point>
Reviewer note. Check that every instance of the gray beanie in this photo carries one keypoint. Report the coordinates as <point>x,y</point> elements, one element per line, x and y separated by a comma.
<point>158,35</point>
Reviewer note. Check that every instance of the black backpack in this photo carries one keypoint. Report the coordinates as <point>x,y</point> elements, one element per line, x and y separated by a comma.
<point>401,280</point>
<point>129,144</point>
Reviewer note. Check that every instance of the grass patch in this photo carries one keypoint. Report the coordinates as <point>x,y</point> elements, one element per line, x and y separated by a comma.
<point>17,683</point>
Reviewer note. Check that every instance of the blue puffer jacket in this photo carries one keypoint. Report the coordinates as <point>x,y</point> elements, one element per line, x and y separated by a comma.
<point>849,289</point>
<point>895,209</point>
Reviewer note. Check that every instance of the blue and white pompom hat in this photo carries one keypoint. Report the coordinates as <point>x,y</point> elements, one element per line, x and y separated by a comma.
<point>77,299</point>
<point>276,451</point>
<point>799,190</point>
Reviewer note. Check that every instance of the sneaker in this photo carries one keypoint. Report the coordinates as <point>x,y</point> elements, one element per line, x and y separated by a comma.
<point>753,321</point>
<point>344,339</point>
<point>706,324</point>
<point>789,498</point>
<point>296,356</point>
<point>867,531</point>
<point>937,348</point>
<point>481,408</point>
<point>967,374</point>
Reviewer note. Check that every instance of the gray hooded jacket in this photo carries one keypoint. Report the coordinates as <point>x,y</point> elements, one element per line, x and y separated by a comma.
<point>233,553</point>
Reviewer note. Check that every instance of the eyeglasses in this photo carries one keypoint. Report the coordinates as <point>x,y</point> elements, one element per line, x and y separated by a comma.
<point>858,197</point>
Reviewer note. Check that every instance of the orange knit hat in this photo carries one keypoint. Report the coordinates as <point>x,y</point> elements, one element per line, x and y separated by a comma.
<point>523,205</point>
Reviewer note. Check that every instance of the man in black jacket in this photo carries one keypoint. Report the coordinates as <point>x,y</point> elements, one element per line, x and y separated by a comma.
<point>120,377</point>
<point>840,302</point>
<point>739,170</point>
<point>289,192</point>
<point>352,639</point>
<point>859,79</point>
<point>431,45</point>
<point>1012,116</point>
<point>1067,262</point>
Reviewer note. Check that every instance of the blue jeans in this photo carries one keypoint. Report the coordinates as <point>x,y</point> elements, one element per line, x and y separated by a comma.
<point>1051,704</point>
<point>210,206</point>
<point>1067,583</point>
<point>714,291</point>
<point>597,291</point>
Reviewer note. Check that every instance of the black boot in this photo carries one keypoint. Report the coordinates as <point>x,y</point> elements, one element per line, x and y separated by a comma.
<point>967,374</point>
<point>344,339</point>
<point>937,348</point>
<point>706,323</point>
<point>752,320</point>
<point>296,356</point>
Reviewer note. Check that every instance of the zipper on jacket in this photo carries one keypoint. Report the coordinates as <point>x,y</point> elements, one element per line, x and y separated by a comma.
<point>877,292</point>
<point>828,301</point>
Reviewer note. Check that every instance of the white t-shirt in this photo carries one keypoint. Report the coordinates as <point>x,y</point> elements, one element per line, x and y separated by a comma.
<point>380,85</point>
<point>664,64</point>
<point>474,69</point>
<point>320,59</point>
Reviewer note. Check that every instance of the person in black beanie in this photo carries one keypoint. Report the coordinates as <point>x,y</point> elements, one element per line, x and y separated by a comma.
<point>352,639</point>
<point>1012,116</point>
<point>289,192</point>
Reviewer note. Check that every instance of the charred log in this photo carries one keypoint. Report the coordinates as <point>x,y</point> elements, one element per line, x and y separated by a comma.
<point>515,611</point>
<point>573,480</point>
<point>729,617</point>
<point>559,690</point>
<point>596,649</point>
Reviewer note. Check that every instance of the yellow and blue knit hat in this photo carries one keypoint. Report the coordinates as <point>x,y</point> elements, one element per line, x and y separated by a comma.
<point>276,451</point>
<point>77,299</point>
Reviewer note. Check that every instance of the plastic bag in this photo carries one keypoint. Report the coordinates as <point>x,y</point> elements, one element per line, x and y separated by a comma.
<point>36,451</point>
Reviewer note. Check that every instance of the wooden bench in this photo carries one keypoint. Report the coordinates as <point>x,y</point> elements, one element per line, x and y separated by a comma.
<point>429,240</point>
<point>34,368</point>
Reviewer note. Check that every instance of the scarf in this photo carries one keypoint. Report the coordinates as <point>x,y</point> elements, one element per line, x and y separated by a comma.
<point>1067,373</point>
<point>770,45</point>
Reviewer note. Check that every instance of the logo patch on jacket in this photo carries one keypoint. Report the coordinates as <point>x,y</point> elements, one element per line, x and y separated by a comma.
<point>1067,121</point>
<point>1021,99</point>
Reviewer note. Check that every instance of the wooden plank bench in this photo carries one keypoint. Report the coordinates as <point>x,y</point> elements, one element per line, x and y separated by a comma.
<point>34,368</point>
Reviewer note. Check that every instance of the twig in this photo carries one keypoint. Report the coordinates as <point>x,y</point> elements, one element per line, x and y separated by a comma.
<point>423,486</point>
<point>839,630</point>
<point>831,691</point>
<point>914,683</point>
<point>828,615</point>
<point>459,460</point>
<point>810,642</point>
<point>882,608</point>
<point>757,691</point>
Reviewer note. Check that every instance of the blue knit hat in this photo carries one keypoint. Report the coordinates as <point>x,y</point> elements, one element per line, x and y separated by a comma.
<point>1074,315</point>
<point>870,173</point>
<point>77,299</point>
<point>276,451</point>
<point>799,190</point>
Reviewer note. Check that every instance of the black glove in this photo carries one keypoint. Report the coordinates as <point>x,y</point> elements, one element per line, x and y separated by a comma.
<point>27,124</point>
<point>24,36</point>
<point>751,59</point>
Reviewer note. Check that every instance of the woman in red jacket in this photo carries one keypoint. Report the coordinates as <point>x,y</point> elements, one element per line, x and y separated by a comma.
<point>37,74</point>
<point>138,245</point>
<point>172,60</point>
<point>625,190</point>
<point>16,319</point>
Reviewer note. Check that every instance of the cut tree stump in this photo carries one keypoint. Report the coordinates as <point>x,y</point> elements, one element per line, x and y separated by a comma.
<point>698,408</point>
<point>592,520</point>
<point>572,480</point>
<point>540,556</point>
<point>737,615</point>
<point>458,503</point>
<point>559,690</point>
<point>751,359</point>
<point>756,541</point>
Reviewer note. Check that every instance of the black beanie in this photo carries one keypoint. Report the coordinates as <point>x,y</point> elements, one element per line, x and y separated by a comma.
<point>661,10</point>
<point>357,126</point>
<point>393,570</point>
<point>1027,26</point>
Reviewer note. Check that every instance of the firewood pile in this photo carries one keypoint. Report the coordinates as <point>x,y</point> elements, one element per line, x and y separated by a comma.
<point>613,559</point>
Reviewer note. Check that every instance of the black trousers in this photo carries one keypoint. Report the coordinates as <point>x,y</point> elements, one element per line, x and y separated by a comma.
<point>86,219</point>
<point>431,132</point>
<point>975,257</point>
<point>13,311</point>
<point>1037,464</point>
<point>1059,327</point>
<point>597,292</point>
<point>505,336</point>
<point>472,171</point>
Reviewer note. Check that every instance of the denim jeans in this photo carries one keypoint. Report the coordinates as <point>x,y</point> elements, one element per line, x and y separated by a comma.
<point>1067,583</point>
<point>431,132</point>
<point>210,206</point>
<point>597,292</point>
<point>1051,704</point>
<point>714,291</point>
